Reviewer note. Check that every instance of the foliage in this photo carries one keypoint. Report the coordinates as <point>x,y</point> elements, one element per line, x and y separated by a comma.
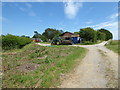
<point>37,35</point>
<point>51,33</point>
<point>100,35</point>
<point>25,36</point>
<point>11,41</point>
<point>76,32</point>
<point>108,33</point>
<point>43,38</point>
<point>88,34</point>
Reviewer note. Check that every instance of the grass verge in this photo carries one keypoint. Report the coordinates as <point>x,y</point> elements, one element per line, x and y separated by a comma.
<point>51,63</point>
<point>45,42</point>
<point>90,43</point>
<point>114,46</point>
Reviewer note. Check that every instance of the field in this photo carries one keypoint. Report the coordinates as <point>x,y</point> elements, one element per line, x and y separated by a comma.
<point>114,46</point>
<point>36,66</point>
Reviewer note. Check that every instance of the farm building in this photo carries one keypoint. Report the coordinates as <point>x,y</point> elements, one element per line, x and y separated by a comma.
<point>75,37</point>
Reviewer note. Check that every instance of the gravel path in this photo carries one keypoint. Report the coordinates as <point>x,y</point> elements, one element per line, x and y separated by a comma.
<point>99,69</point>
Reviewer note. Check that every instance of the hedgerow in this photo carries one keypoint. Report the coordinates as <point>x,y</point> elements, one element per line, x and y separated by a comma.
<point>12,42</point>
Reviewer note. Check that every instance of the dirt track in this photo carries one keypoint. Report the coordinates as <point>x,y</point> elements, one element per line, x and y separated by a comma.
<point>99,69</point>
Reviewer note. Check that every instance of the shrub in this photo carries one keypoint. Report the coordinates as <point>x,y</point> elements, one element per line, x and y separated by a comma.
<point>11,42</point>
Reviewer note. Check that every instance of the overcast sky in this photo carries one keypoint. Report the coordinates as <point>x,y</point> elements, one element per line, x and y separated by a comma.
<point>24,18</point>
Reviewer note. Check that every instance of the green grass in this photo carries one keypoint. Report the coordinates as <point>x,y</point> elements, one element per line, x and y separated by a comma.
<point>90,43</point>
<point>113,45</point>
<point>45,42</point>
<point>53,61</point>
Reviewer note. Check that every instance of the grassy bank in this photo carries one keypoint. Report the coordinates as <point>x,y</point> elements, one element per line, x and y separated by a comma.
<point>38,66</point>
<point>90,43</point>
<point>113,45</point>
<point>45,42</point>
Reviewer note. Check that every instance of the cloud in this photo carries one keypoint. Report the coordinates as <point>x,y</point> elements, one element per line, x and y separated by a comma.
<point>28,5</point>
<point>22,9</point>
<point>113,16</point>
<point>89,22</point>
<point>71,8</point>
<point>59,0</point>
<point>27,8</point>
<point>110,25</point>
<point>3,19</point>
<point>31,13</point>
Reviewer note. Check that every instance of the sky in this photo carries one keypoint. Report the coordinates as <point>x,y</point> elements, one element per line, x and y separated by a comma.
<point>23,18</point>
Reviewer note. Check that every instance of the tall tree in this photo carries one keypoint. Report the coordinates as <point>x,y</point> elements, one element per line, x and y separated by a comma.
<point>36,34</point>
<point>88,34</point>
<point>101,36</point>
<point>107,33</point>
<point>51,33</point>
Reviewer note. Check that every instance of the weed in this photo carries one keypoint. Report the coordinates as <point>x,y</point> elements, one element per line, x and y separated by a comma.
<point>51,61</point>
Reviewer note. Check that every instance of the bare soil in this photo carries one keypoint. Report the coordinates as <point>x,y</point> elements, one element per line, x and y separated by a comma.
<point>27,67</point>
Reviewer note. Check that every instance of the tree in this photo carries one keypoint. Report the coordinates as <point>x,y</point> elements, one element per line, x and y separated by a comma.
<point>51,33</point>
<point>76,32</point>
<point>42,37</point>
<point>100,35</point>
<point>61,31</point>
<point>25,36</point>
<point>36,34</point>
<point>107,33</point>
<point>88,34</point>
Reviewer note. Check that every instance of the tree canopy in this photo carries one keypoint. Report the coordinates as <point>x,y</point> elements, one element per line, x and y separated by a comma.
<point>100,35</point>
<point>88,34</point>
<point>107,33</point>
<point>51,33</point>
<point>36,35</point>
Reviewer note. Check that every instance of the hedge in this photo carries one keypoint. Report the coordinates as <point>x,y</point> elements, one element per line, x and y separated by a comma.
<point>12,42</point>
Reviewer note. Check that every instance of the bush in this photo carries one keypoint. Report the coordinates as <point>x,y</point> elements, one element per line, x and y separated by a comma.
<point>11,42</point>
